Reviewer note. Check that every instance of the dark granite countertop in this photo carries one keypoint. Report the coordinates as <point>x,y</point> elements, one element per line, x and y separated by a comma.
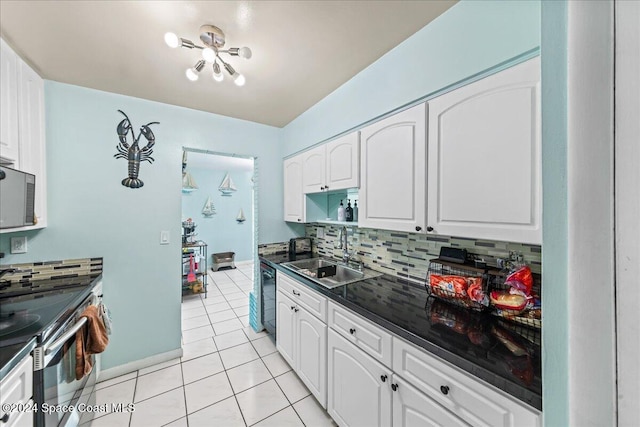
<point>48,302</point>
<point>503,354</point>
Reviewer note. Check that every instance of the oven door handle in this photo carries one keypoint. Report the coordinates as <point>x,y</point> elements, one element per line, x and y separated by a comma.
<point>65,337</point>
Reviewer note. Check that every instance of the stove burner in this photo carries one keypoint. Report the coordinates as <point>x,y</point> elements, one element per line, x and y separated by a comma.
<point>16,322</point>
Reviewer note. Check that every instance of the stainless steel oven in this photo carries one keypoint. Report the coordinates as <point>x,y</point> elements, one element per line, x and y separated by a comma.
<point>55,385</point>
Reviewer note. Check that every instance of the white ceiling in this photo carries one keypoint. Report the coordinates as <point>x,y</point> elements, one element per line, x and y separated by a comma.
<point>302,50</point>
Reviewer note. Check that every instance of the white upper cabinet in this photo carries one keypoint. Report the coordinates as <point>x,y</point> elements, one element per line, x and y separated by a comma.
<point>22,131</point>
<point>343,162</point>
<point>294,210</point>
<point>484,166</point>
<point>9,142</point>
<point>313,170</point>
<point>332,166</point>
<point>32,135</point>
<point>393,172</point>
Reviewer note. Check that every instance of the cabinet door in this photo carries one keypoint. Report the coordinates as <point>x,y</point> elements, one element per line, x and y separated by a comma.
<point>414,409</point>
<point>313,169</point>
<point>285,326</point>
<point>32,136</point>
<point>343,162</point>
<point>357,394</point>
<point>293,195</point>
<point>9,105</point>
<point>393,172</point>
<point>484,158</point>
<point>469,398</point>
<point>311,354</point>
<point>309,299</point>
<point>371,339</point>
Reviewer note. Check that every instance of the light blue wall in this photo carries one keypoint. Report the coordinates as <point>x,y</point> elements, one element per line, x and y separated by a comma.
<point>222,232</point>
<point>555,334</point>
<point>469,38</point>
<point>92,215</point>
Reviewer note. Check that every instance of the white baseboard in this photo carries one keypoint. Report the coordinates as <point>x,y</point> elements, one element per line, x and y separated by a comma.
<point>117,371</point>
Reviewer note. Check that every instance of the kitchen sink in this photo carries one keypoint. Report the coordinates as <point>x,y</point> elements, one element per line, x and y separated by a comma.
<point>329,273</point>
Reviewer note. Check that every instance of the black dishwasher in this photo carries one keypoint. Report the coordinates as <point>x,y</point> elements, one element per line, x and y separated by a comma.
<point>268,287</point>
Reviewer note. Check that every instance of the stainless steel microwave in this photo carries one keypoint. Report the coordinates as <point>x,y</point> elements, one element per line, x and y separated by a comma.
<point>17,198</point>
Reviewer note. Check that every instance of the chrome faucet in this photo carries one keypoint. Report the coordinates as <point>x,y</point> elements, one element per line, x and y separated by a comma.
<point>344,245</point>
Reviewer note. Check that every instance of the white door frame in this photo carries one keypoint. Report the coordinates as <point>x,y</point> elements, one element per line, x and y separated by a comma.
<point>627,208</point>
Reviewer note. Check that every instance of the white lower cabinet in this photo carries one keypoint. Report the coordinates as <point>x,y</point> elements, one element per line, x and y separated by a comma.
<point>411,408</point>
<point>365,376</point>
<point>302,338</point>
<point>311,350</point>
<point>410,387</point>
<point>285,325</point>
<point>17,389</point>
<point>358,387</point>
<point>459,392</point>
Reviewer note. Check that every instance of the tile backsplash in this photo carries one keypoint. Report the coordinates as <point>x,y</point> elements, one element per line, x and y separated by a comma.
<point>30,274</point>
<point>273,248</point>
<point>407,254</point>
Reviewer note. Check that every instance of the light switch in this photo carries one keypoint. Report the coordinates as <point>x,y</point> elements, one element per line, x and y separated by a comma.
<point>19,245</point>
<point>164,237</point>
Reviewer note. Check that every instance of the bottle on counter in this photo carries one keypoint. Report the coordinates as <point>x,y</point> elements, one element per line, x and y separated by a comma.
<point>355,210</point>
<point>348,212</point>
<point>341,212</point>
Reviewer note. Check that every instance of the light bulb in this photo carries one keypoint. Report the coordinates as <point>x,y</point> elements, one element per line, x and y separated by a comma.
<point>244,52</point>
<point>238,79</point>
<point>171,40</point>
<point>217,73</point>
<point>192,74</point>
<point>208,54</point>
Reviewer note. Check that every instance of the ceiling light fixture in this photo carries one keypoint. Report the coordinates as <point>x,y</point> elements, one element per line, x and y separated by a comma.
<point>213,39</point>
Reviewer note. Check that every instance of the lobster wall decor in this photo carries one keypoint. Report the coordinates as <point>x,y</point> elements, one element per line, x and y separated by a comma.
<point>133,153</point>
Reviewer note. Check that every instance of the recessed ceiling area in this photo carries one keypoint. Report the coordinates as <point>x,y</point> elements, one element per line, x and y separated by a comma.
<point>302,50</point>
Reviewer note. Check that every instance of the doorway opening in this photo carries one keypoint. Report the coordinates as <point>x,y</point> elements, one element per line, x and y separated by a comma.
<point>219,210</point>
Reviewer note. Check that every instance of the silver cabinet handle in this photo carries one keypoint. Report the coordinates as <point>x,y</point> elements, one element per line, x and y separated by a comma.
<point>65,337</point>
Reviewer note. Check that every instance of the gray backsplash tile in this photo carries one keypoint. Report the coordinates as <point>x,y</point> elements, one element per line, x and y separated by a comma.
<point>27,273</point>
<point>408,254</point>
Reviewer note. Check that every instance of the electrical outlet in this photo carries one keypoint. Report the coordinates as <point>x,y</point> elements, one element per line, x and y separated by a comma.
<point>19,245</point>
<point>320,233</point>
<point>164,237</point>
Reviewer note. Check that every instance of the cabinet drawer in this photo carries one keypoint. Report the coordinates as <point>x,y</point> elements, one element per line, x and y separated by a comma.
<point>475,402</point>
<point>17,387</point>
<point>315,303</point>
<point>370,338</point>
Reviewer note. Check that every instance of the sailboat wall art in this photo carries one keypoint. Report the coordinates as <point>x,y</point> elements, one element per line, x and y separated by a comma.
<point>227,187</point>
<point>188,183</point>
<point>208,210</point>
<point>241,218</point>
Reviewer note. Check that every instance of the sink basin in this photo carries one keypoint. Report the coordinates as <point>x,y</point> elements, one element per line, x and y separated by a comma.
<point>321,272</point>
<point>310,264</point>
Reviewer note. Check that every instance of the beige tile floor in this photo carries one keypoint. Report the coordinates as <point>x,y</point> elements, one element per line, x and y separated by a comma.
<point>228,375</point>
